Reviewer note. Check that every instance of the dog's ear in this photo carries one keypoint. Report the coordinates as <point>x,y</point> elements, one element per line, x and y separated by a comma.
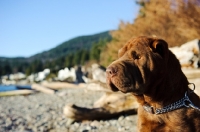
<point>160,46</point>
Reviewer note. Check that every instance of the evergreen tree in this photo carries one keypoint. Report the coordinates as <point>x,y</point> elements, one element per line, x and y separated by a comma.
<point>1,69</point>
<point>28,71</point>
<point>60,62</point>
<point>34,67</point>
<point>77,58</point>
<point>37,66</point>
<point>69,60</point>
<point>96,49</point>
<point>84,56</point>
<point>5,68</point>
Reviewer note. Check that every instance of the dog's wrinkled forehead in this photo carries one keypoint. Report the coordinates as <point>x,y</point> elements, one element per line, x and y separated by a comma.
<point>135,43</point>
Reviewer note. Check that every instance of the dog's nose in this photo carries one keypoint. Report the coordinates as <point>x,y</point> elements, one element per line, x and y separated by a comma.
<point>111,70</point>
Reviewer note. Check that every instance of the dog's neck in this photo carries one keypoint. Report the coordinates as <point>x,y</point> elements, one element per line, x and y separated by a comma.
<point>167,90</point>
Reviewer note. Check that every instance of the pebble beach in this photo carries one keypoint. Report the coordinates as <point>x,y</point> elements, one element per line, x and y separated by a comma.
<point>42,112</point>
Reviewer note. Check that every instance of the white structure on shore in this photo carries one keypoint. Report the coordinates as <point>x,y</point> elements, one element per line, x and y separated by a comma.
<point>12,78</point>
<point>79,74</point>
<point>66,73</point>
<point>40,76</point>
<point>98,74</point>
<point>188,54</point>
<point>17,76</point>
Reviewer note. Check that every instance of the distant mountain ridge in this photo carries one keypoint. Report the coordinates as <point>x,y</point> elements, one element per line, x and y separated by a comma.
<point>68,53</point>
<point>12,59</point>
<point>65,48</point>
<point>72,45</point>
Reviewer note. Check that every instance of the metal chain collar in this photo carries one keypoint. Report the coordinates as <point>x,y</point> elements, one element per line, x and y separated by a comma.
<point>182,102</point>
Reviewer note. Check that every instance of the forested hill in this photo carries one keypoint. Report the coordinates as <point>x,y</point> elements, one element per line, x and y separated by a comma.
<point>68,53</point>
<point>67,47</point>
<point>72,46</point>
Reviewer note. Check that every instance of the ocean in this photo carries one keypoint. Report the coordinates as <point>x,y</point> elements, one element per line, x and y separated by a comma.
<point>4,88</point>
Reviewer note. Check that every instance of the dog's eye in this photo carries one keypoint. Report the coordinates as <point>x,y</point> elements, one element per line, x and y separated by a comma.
<point>138,57</point>
<point>135,56</point>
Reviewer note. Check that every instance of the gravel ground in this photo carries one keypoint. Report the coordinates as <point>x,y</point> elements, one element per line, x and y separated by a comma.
<point>41,112</point>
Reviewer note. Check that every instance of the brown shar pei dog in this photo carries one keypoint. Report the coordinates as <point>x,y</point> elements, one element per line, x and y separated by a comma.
<point>150,71</point>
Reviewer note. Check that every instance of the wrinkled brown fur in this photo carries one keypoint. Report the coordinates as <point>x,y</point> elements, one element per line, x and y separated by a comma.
<point>151,72</point>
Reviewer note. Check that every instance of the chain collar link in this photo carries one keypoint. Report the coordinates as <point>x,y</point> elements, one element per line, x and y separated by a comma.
<point>184,102</point>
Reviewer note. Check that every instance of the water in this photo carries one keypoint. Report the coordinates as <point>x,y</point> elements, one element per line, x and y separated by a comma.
<point>4,88</point>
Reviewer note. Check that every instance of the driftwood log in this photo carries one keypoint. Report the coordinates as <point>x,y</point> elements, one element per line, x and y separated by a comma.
<point>60,85</point>
<point>17,92</point>
<point>42,89</point>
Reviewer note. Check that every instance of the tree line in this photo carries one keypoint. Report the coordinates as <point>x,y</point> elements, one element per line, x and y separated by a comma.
<point>80,57</point>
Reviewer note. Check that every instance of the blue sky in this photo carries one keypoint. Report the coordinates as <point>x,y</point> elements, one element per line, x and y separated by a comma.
<point>28,27</point>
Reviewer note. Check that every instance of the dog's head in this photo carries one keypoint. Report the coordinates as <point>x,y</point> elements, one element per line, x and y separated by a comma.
<point>141,62</point>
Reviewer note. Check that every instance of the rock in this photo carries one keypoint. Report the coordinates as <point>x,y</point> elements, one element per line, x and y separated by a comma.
<point>85,130</point>
<point>76,124</point>
<point>121,129</point>
<point>8,122</point>
<point>70,121</point>
<point>21,128</point>
<point>107,124</point>
<point>95,124</point>
<point>1,122</point>
<point>88,128</point>
<point>127,118</point>
<point>19,121</point>
<point>120,118</point>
